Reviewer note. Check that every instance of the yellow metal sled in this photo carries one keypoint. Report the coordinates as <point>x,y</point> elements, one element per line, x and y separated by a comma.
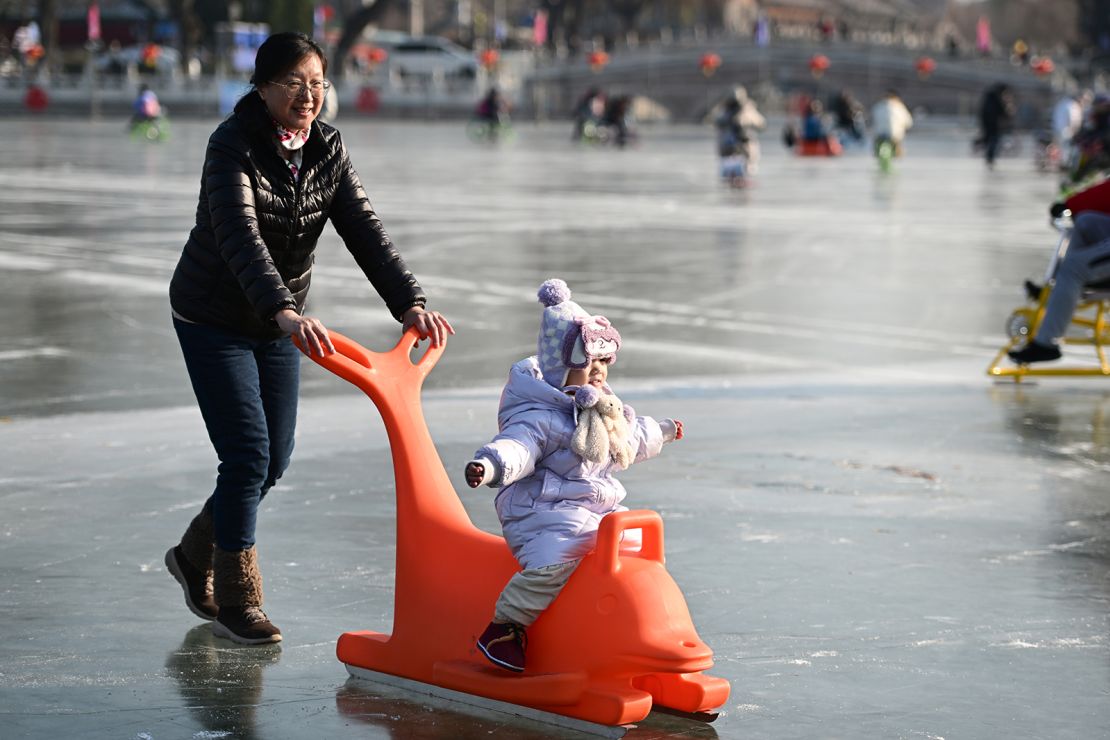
<point>1089,326</point>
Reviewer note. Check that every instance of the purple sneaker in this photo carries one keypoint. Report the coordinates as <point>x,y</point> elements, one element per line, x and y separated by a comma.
<point>503,643</point>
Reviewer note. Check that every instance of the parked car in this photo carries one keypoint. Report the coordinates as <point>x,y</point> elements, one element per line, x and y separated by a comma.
<point>426,55</point>
<point>164,60</point>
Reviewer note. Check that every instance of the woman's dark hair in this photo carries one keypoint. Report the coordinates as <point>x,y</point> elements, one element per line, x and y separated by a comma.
<point>281,52</point>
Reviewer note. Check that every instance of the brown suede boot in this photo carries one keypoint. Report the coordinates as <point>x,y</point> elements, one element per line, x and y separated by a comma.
<point>191,564</point>
<point>239,596</point>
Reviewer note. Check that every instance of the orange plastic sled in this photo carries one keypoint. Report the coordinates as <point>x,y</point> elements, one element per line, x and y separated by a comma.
<point>616,642</point>
<point>827,147</point>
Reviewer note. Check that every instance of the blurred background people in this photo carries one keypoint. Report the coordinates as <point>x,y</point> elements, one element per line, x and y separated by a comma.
<point>996,119</point>
<point>813,123</point>
<point>146,107</point>
<point>588,110</point>
<point>737,122</point>
<point>1092,146</point>
<point>890,120</point>
<point>847,114</point>
<point>618,110</point>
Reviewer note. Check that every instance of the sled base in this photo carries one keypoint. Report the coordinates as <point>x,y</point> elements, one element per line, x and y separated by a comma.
<point>1091,330</point>
<point>481,702</point>
<point>1000,366</point>
<point>703,717</point>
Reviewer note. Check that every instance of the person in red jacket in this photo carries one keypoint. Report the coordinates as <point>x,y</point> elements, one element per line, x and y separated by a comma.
<point>1087,260</point>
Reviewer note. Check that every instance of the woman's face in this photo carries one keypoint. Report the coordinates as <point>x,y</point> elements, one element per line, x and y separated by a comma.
<point>297,113</point>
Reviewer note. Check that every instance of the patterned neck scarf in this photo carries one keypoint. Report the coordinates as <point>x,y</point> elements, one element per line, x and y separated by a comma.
<point>291,142</point>
<point>287,139</point>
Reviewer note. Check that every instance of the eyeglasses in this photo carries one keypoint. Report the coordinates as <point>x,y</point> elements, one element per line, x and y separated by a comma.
<point>296,88</point>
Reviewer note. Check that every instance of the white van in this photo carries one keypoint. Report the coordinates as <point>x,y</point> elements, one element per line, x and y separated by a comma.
<point>427,55</point>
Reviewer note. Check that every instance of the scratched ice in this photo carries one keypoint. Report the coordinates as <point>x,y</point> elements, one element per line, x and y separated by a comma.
<point>875,540</point>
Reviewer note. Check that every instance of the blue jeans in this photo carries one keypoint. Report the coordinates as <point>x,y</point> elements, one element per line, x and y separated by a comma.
<point>1086,261</point>
<point>247,391</point>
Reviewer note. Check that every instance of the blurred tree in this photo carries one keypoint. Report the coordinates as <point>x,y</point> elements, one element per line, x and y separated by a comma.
<point>554,10</point>
<point>1094,23</point>
<point>627,11</point>
<point>290,15</point>
<point>48,26</point>
<point>183,13</point>
<point>353,25</point>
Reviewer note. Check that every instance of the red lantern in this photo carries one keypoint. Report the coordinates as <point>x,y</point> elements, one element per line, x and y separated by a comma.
<point>709,63</point>
<point>377,55</point>
<point>597,60</point>
<point>489,59</point>
<point>1042,66</point>
<point>818,63</point>
<point>924,67</point>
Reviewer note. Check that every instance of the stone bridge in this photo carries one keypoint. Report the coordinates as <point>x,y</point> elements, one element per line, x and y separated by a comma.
<point>672,78</point>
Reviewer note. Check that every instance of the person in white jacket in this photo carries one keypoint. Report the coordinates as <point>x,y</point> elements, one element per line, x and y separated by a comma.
<point>890,119</point>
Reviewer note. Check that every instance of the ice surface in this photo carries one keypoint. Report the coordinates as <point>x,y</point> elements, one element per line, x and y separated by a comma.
<point>875,539</point>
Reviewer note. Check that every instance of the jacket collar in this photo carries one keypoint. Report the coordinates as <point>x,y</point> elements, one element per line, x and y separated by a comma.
<point>252,111</point>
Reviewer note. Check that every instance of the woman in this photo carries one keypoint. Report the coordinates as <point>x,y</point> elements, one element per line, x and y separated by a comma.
<point>273,175</point>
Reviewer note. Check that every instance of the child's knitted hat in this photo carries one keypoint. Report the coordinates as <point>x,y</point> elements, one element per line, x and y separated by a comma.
<point>570,337</point>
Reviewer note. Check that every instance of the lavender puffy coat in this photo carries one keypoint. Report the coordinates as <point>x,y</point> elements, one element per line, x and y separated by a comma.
<point>551,500</point>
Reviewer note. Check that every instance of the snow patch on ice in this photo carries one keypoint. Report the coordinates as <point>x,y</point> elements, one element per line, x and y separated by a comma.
<point>1056,642</point>
<point>22,262</point>
<point>760,537</point>
<point>23,354</point>
<point>1070,545</point>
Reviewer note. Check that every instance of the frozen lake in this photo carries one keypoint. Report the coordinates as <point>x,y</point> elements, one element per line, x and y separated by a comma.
<point>875,539</point>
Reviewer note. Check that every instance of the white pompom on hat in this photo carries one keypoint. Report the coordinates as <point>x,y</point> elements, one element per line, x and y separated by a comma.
<point>569,336</point>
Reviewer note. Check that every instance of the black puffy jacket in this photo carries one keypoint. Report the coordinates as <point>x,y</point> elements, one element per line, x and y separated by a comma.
<point>251,251</point>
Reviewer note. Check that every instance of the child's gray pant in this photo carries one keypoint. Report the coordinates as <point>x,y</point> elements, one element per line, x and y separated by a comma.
<point>531,591</point>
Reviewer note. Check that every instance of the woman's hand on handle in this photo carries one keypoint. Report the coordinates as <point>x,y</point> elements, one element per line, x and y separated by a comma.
<point>309,332</point>
<point>429,324</point>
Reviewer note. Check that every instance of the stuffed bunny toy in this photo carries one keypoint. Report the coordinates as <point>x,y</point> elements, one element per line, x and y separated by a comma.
<point>602,432</point>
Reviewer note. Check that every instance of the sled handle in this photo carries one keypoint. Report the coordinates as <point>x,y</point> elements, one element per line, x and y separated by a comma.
<point>358,365</point>
<point>613,526</point>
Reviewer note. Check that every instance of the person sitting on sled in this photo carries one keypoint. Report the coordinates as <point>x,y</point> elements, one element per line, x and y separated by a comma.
<point>145,107</point>
<point>813,123</point>
<point>1087,260</point>
<point>555,483</point>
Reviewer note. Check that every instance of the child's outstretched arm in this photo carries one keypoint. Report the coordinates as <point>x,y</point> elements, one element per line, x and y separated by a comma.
<point>649,435</point>
<point>479,471</point>
<point>510,456</point>
<point>672,430</point>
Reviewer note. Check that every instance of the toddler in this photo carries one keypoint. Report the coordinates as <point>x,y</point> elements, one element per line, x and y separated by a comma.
<point>556,484</point>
